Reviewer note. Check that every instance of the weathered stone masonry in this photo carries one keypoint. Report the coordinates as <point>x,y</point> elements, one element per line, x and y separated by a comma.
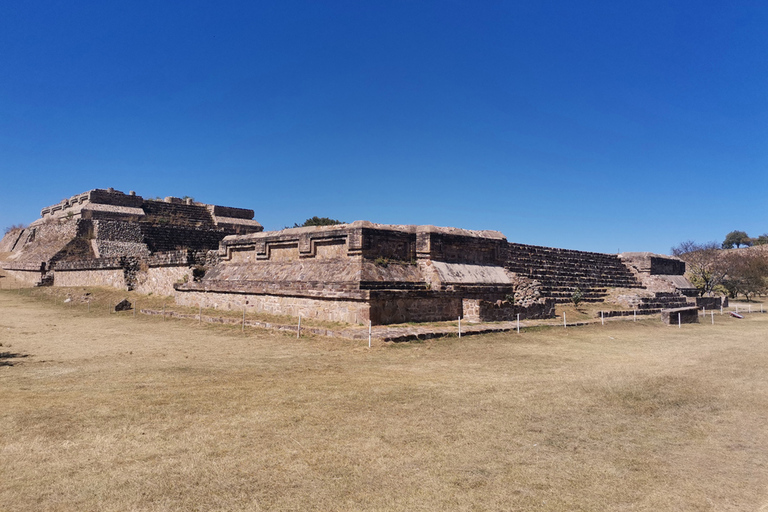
<point>218,256</point>
<point>92,238</point>
<point>360,272</point>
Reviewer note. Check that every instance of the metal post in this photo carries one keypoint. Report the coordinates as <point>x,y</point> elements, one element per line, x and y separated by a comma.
<point>713,318</point>
<point>518,323</point>
<point>135,307</point>
<point>459,327</point>
<point>369,334</point>
<point>602,318</point>
<point>635,316</point>
<point>298,330</point>
<point>679,321</point>
<point>564,324</point>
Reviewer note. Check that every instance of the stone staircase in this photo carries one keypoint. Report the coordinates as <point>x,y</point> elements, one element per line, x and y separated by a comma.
<point>172,226</point>
<point>186,215</point>
<point>652,305</point>
<point>562,271</point>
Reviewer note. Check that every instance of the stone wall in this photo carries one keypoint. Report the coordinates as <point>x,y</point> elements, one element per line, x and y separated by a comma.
<point>378,307</point>
<point>161,280</point>
<point>402,307</point>
<point>112,277</point>
<point>28,277</point>
<point>348,311</point>
<point>477,310</point>
<point>157,274</point>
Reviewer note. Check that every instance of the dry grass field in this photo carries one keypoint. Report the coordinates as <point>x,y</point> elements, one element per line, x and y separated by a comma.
<point>115,413</point>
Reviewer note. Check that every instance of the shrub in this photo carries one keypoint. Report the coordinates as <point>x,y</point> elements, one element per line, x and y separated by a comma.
<point>577,296</point>
<point>15,226</point>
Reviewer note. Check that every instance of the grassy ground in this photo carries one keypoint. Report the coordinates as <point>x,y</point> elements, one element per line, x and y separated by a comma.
<point>111,413</point>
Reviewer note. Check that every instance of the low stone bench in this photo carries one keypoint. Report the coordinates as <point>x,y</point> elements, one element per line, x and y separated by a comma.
<point>686,315</point>
<point>712,302</point>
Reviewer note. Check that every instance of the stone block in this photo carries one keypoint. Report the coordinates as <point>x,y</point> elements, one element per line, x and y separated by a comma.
<point>686,315</point>
<point>710,302</point>
<point>123,305</point>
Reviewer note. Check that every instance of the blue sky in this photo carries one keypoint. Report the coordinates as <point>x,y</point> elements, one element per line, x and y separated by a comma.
<point>599,126</point>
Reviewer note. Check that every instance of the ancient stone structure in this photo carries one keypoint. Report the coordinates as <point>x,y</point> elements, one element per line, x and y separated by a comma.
<point>364,272</point>
<point>712,302</point>
<point>684,315</point>
<point>659,273</point>
<point>101,236</point>
<point>562,271</point>
<point>217,256</point>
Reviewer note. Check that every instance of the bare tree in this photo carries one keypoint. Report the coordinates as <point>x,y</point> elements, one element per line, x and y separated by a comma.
<point>705,265</point>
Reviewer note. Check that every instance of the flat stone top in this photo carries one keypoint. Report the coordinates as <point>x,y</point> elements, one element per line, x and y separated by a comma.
<point>96,207</point>
<point>402,228</point>
<point>112,197</point>
<point>645,255</point>
<point>680,310</point>
<point>236,220</point>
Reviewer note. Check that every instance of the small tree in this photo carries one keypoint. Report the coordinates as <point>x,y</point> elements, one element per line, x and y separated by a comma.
<point>577,297</point>
<point>318,221</point>
<point>762,239</point>
<point>737,238</point>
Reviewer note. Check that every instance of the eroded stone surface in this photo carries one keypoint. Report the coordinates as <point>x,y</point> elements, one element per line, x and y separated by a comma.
<point>356,273</point>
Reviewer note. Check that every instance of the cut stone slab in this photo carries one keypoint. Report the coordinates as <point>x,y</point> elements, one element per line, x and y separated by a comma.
<point>686,315</point>
<point>123,305</point>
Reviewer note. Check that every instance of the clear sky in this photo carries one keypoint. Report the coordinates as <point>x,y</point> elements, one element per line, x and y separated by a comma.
<point>594,125</point>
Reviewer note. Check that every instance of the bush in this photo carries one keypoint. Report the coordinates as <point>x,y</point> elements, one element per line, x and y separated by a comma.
<point>577,297</point>
<point>15,226</point>
<point>318,221</point>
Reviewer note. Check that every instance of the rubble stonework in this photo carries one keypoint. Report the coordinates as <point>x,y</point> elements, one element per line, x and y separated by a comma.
<point>217,256</point>
<point>103,231</point>
<point>361,272</point>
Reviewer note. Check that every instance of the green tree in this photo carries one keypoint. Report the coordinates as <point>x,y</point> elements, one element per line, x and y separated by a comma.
<point>577,296</point>
<point>747,273</point>
<point>318,221</point>
<point>737,238</point>
<point>762,239</point>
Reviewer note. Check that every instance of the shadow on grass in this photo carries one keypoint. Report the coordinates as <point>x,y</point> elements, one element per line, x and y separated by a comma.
<point>5,356</point>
